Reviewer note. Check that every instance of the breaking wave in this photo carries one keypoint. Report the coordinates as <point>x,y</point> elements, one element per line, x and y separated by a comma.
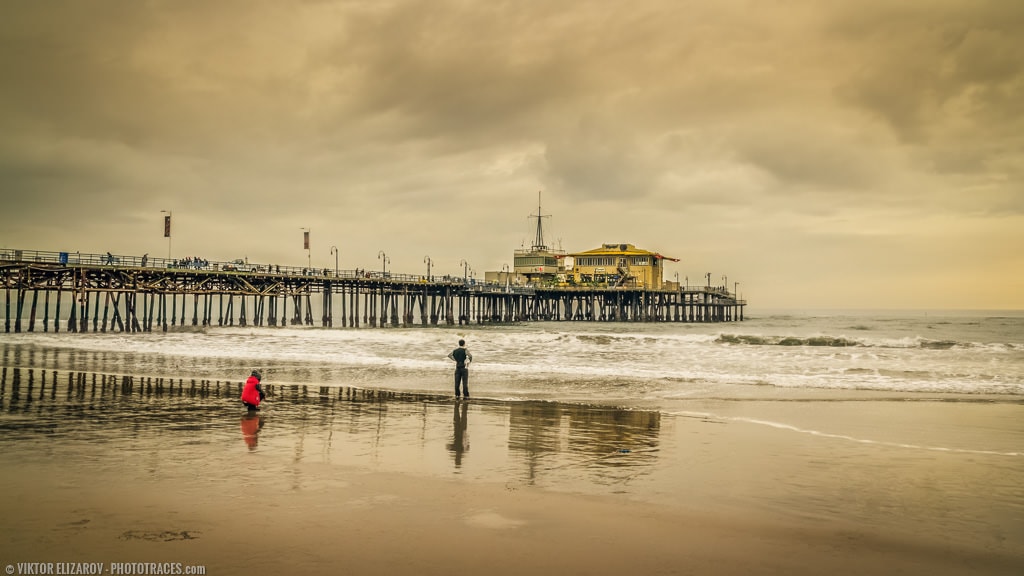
<point>843,342</point>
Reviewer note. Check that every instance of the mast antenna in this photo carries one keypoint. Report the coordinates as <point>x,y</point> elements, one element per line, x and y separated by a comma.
<point>538,241</point>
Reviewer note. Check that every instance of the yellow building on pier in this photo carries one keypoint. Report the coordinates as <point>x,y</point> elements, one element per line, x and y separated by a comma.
<point>619,265</point>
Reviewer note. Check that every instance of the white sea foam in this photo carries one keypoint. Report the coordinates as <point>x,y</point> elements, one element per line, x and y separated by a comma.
<point>601,361</point>
<point>819,433</point>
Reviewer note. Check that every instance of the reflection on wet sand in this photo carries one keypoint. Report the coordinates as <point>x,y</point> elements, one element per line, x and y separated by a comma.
<point>460,434</point>
<point>349,424</point>
<point>549,436</point>
<point>252,423</point>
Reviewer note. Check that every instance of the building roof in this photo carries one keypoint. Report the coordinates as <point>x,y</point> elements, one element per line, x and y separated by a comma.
<point>621,250</point>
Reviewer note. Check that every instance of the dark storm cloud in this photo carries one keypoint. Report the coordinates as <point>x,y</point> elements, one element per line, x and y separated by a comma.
<point>478,69</point>
<point>923,68</point>
<point>70,73</point>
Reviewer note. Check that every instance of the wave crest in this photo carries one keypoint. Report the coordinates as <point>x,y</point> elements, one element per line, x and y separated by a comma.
<point>842,342</point>
<point>829,341</point>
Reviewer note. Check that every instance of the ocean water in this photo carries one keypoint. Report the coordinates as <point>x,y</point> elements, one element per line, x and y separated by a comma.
<point>833,355</point>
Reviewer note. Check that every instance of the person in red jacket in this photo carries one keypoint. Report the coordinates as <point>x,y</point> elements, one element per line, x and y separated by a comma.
<point>252,394</point>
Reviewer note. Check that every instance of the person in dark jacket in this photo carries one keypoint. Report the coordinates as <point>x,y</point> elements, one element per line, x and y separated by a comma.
<point>252,394</point>
<point>462,359</point>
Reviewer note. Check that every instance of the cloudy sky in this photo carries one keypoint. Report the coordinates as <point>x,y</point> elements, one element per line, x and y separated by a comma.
<point>822,154</point>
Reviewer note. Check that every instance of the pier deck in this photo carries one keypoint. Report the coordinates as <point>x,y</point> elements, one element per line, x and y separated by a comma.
<point>136,293</point>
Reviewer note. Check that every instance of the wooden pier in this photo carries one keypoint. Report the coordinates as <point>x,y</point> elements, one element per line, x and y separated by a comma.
<point>102,293</point>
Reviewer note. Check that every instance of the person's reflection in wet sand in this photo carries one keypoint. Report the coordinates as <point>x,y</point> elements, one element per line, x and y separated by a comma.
<point>252,423</point>
<point>460,439</point>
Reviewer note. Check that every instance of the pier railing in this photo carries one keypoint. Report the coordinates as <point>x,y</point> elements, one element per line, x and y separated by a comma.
<point>201,264</point>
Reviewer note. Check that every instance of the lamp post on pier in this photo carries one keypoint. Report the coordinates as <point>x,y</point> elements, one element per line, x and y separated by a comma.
<point>736,290</point>
<point>167,231</point>
<point>428,262</point>
<point>465,271</point>
<point>385,260</point>
<point>505,271</point>
<point>305,244</point>
<point>334,250</point>
<point>709,279</point>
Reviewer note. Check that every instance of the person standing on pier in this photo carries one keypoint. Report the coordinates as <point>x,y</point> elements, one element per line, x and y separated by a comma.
<point>252,394</point>
<point>462,359</point>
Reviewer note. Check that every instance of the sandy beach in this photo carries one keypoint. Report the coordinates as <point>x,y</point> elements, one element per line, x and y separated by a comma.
<point>115,469</point>
<point>386,523</point>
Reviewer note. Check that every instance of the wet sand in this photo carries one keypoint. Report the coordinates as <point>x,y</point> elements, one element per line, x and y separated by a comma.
<point>110,469</point>
<point>382,523</point>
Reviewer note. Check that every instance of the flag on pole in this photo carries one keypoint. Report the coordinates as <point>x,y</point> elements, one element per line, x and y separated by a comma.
<point>305,240</point>
<point>167,226</point>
